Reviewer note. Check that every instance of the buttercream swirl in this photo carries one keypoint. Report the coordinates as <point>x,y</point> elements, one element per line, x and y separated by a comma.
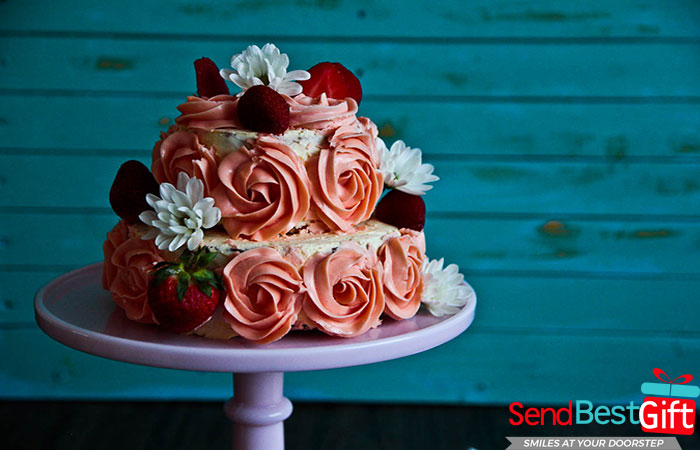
<point>402,258</point>
<point>264,295</point>
<point>344,290</point>
<point>128,262</point>
<point>220,111</point>
<point>180,151</point>
<point>320,113</point>
<point>345,182</point>
<point>263,192</point>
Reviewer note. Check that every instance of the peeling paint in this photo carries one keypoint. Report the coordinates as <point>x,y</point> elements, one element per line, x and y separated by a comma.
<point>456,79</point>
<point>559,253</point>
<point>499,173</point>
<point>687,147</point>
<point>675,187</point>
<point>648,29</point>
<point>8,305</point>
<point>113,64</point>
<point>566,253</point>
<point>320,4</point>
<point>542,16</point>
<point>65,372</point>
<point>195,9</point>
<point>557,229</point>
<point>616,147</point>
<point>590,175</point>
<point>387,130</point>
<point>576,142</point>
<point>652,233</point>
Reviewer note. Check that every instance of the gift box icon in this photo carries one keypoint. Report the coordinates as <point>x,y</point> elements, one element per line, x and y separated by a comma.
<point>661,413</point>
<point>678,387</point>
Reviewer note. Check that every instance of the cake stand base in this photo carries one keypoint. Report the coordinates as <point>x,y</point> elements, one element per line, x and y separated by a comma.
<point>74,310</point>
<point>258,410</point>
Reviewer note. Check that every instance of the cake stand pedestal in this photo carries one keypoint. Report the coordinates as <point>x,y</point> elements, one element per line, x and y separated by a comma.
<point>75,310</point>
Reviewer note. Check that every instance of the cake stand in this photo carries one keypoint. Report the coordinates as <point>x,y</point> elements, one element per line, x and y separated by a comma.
<point>74,310</point>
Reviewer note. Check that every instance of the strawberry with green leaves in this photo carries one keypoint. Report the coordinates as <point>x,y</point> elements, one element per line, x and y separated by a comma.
<point>184,295</point>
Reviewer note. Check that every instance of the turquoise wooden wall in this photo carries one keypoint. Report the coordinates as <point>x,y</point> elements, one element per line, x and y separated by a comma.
<point>566,134</point>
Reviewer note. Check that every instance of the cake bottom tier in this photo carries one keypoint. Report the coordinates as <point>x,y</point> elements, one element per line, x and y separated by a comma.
<point>342,284</point>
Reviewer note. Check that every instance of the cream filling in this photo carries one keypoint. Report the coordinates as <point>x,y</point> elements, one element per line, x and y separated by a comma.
<point>301,141</point>
<point>370,234</point>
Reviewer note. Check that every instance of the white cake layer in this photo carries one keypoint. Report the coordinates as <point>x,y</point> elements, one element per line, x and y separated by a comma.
<point>370,234</point>
<point>303,142</point>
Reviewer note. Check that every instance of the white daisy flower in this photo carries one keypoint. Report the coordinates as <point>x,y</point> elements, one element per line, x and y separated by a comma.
<point>402,168</point>
<point>179,214</point>
<point>264,66</point>
<point>444,290</point>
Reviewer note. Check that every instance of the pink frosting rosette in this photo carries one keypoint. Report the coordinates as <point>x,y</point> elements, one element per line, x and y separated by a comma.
<point>127,266</point>
<point>320,113</point>
<point>180,151</point>
<point>402,258</point>
<point>262,192</point>
<point>220,111</point>
<point>344,290</point>
<point>264,295</point>
<point>345,182</point>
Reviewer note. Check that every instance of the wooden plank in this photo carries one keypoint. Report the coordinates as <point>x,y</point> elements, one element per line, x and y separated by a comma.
<point>483,18</point>
<point>552,245</point>
<point>602,247</point>
<point>477,367</point>
<point>17,291</point>
<point>390,69</point>
<point>464,186</point>
<point>598,306</point>
<point>614,131</point>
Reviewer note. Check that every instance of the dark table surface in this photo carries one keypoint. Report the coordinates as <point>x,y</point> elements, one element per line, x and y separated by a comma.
<point>202,425</point>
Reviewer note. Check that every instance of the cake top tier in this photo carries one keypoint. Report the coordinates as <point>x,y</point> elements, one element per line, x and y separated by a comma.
<point>287,152</point>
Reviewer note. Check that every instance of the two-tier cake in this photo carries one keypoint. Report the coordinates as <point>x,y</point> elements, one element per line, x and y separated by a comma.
<point>261,212</point>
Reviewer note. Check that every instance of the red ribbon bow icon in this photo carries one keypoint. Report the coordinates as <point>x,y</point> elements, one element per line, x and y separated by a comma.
<point>687,378</point>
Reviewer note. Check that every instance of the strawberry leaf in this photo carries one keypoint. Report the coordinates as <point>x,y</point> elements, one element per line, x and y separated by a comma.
<point>165,271</point>
<point>183,280</point>
<point>207,258</point>
<point>203,276</point>
<point>206,289</point>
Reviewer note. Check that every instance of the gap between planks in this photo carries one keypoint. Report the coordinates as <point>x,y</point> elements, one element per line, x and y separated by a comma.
<point>517,158</point>
<point>504,99</point>
<point>373,39</point>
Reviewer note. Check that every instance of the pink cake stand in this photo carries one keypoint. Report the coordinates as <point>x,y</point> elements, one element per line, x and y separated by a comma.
<point>75,310</point>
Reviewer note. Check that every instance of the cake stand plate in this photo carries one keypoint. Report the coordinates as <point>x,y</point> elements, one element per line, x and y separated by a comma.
<point>74,310</point>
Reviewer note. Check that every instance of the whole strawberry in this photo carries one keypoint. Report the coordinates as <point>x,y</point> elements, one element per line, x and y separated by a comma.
<point>401,210</point>
<point>262,109</point>
<point>333,79</point>
<point>184,295</point>
<point>128,193</point>
<point>209,82</point>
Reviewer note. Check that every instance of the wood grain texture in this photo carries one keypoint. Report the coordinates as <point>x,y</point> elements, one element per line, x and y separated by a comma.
<point>385,69</point>
<point>566,136</point>
<point>478,367</point>
<point>465,186</point>
<point>613,132</point>
<point>304,19</point>
<point>476,244</point>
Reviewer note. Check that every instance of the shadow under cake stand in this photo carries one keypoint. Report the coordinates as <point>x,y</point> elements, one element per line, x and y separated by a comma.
<point>74,310</point>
